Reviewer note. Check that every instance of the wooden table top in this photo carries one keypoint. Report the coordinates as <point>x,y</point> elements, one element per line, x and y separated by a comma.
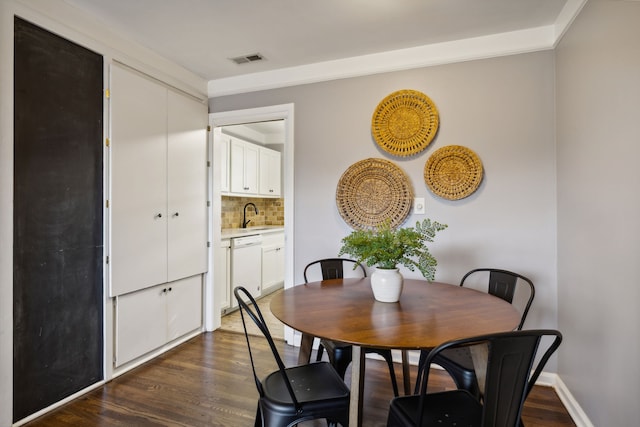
<point>427,314</point>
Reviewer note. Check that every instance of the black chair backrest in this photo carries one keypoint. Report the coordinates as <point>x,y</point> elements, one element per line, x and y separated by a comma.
<point>333,268</point>
<point>249,307</point>
<point>509,364</point>
<point>502,284</point>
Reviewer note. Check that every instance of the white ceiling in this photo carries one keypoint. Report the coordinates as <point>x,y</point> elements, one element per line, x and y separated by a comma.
<point>201,35</point>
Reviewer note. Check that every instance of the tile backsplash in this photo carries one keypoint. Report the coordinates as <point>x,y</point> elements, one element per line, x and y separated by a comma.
<point>271,211</point>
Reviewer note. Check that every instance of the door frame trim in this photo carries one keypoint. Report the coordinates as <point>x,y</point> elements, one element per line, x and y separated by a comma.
<point>275,112</point>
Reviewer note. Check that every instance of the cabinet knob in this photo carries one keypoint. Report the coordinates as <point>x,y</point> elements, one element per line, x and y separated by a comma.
<point>159,215</point>
<point>176,214</point>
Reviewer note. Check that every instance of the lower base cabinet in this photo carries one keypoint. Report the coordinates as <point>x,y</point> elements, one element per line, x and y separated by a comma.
<point>222,275</point>
<point>272,261</point>
<point>150,318</point>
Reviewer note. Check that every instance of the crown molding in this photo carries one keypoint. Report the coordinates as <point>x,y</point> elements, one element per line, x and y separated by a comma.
<point>541,38</point>
<point>510,43</point>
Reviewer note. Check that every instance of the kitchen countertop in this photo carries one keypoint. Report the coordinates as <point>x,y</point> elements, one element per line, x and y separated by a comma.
<point>230,233</point>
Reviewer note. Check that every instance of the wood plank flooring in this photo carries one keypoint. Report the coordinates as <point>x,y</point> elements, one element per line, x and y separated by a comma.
<point>208,382</point>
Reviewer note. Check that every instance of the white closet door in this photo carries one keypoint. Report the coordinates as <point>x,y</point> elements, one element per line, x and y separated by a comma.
<point>141,323</point>
<point>184,306</point>
<point>139,181</point>
<point>187,187</point>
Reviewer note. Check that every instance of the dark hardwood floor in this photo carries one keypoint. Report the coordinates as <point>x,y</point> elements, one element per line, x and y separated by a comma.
<point>208,382</point>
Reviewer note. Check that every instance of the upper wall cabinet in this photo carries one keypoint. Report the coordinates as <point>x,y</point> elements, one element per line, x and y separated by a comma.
<point>244,167</point>
<point>158,183</point>
<point>269,182</point>
<point>253,171</point>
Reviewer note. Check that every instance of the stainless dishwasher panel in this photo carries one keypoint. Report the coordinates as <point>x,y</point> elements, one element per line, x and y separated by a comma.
<point>246,265</point>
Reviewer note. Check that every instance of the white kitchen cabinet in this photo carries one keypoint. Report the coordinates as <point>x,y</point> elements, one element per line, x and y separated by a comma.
<point>158,184</point>
<point>222,277</point>
<point>270,164</point>
<point>244,167</point>
<point>272,261</point>
<point>152,317</point>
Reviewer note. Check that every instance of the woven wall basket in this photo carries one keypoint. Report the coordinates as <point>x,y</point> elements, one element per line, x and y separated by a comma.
<point>405,122</point>
<point>453,172</point>
<point>371,191</point>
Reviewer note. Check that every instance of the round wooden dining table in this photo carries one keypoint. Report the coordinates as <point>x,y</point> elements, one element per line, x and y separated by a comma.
<point>428,314</point>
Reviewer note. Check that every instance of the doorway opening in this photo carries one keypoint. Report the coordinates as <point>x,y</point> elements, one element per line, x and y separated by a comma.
<point>272,128</point>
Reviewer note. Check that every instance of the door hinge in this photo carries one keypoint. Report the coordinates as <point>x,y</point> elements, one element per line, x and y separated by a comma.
<point>208,128</point>
<point>208,203</point>
<point>107,203</point>
<point>107,259</point>
<point>107,142</point>
<point>208,244</point>
<point>107,93</point>
<point>208,164</point>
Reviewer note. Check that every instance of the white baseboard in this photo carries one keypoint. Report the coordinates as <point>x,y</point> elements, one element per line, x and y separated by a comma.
<point>575,411</point>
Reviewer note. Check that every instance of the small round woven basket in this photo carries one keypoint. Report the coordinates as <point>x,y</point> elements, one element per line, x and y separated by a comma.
<point>371,191</point>
<point>404,123</point>
<point>453,172</point>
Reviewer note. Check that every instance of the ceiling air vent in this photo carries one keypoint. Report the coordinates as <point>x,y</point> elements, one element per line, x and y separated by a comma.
<point>248,58</point>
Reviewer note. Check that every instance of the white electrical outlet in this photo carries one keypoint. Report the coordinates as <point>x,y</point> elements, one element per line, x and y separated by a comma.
<point>418,205</point>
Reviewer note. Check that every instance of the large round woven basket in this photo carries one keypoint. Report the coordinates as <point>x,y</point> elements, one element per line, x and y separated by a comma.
<point>453,172</point>
<point>371,191</point>
<point>405,122</point>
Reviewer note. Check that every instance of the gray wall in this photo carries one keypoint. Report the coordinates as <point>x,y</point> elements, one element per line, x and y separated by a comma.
<point>501,108</point>
<point>598,90</point>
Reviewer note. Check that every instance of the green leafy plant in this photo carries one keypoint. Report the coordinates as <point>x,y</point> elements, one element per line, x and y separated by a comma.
<point>386,247</point>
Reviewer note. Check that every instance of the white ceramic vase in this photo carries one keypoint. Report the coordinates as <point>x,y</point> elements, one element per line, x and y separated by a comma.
<point>386,284</point>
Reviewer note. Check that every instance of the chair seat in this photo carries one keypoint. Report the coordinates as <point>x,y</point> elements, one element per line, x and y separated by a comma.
<point>304,380</point>
<point>449,408</point>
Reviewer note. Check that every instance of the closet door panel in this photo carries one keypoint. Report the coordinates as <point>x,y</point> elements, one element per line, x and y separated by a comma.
<point>187,187</point>
<point>139,181</point>
<point>141,323</point>
<point>184,306</point>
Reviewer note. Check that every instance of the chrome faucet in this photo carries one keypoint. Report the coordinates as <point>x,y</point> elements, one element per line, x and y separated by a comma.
<point>244,214</point>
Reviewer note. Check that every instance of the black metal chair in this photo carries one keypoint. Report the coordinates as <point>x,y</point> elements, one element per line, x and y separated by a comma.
<point>340,354</point>
<point>292,395</point>
<point>503,284</point>
<point>507,358</point>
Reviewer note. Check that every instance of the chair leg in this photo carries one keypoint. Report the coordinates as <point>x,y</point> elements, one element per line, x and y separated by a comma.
<point>421,362</point>
<point>320,353</point>
<point>392,372</point>
<point>258,422</point>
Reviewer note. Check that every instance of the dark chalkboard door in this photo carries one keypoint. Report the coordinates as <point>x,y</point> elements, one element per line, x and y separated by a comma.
<point>58,231</point>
